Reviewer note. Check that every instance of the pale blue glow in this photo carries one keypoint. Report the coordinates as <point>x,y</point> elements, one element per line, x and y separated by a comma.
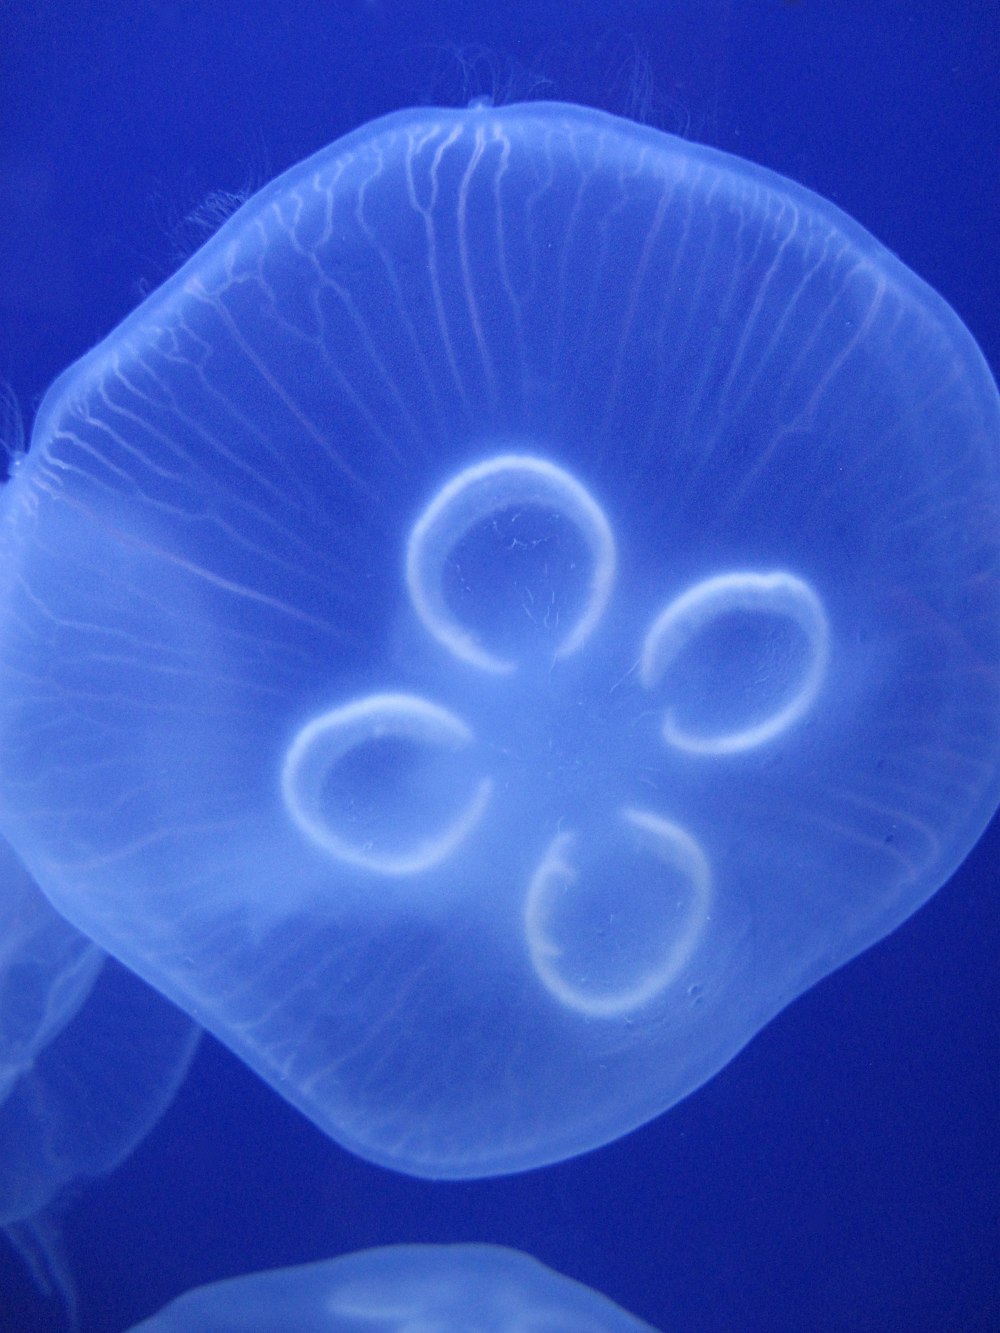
<point>400,1289</point>
<point>90,1058</point>
<point>517,608</point>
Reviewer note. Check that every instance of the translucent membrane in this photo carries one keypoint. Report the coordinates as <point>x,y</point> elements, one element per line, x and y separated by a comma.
<point>517,608</point>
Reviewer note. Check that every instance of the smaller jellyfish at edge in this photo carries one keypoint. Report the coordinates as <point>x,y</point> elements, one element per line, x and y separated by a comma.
<point>517,608</point>
<point>90,1058</point>
<point>399,1289</point>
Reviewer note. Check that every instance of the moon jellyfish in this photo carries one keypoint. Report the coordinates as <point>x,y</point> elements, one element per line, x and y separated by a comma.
<point>517,608</point>
<point>90,1058</point>
<point>447,1288</point>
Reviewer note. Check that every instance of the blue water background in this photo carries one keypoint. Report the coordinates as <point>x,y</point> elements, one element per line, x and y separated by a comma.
<point>842,1173</point>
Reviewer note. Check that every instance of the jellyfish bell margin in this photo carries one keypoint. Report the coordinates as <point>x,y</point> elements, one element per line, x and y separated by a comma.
<point>519,606</point>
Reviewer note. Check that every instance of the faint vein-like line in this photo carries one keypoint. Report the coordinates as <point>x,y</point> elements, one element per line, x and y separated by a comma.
<point>430,234</point>
<point>475,318</point>
<point>308,425</point>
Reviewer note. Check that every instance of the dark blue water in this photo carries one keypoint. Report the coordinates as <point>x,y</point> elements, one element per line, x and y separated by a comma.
<point>842,1173</point>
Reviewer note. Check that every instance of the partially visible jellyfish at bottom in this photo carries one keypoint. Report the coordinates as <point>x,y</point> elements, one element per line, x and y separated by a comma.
<point>90,1058</point>
<point>516,609</point>
<point>400,1289</point>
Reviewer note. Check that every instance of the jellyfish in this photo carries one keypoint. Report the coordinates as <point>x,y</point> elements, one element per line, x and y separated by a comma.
<point>90,1058</point>
<point>516,609</point>
<point>450,1288</point>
